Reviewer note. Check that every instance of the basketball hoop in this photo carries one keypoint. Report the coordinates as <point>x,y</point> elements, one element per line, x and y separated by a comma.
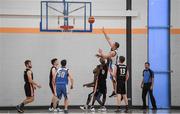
<point>66,28</point>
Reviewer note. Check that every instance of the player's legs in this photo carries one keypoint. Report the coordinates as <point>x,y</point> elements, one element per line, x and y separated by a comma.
<point>126,101</point>
<point>89,98</point>
<point>29,91</point>
<point>104,98</point>
<point>56,102</point>
<point>28,100</point>
<point>90,95</point>
<point>53,99</point>
<point>93,101</point>
<point>103,108</point>
<point>65,94</point>
<point>111,66</point>
<point>98,98</point>
<point>59,96</point>
<point>66,104</point>
<point>119,99</point>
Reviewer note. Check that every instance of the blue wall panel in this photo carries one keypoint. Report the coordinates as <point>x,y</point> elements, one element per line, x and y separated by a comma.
<point>158,49</point>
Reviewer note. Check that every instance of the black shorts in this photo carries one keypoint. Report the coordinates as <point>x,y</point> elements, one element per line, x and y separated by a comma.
<point>51,87</point>
<point>29,90</point>
<point>102,89</point>
<point>121,87</point>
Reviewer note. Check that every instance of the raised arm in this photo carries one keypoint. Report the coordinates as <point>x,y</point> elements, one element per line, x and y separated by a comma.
<point>109,40</point>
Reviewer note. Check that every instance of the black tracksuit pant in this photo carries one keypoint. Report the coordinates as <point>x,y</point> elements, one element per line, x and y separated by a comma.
<point>146,89</point>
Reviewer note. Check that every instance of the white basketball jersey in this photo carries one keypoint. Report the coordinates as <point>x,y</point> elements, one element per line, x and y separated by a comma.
<point>115,58</point>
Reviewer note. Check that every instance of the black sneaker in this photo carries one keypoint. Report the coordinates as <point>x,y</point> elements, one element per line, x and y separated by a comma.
<point>18,108</point>
<point>126,110</point>
<point>113,94</point>
<point>66,111</point>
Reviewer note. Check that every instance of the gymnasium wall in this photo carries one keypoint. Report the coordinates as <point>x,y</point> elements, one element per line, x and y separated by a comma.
<point>41,48</point>
<point>79,49</point>
<point>175,55</point>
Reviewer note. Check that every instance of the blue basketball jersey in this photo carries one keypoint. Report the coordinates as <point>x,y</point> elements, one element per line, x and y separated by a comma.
<point>62,76</point>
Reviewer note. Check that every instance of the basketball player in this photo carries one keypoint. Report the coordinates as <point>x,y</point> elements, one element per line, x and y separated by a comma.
<point>121,75</point>
<point>29,86</point>
<point>52,84</point>
<point>92,84</point>
<point>62,77</point>
<point>112,57</point>
<point>100,86</point>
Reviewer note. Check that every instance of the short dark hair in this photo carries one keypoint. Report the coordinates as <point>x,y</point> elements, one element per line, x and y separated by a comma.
<point>122,59</point>
<point>63,63</point>
<point>147,63</point>
<point>27,62</point>
<point>53,61</point>
<point>116,44</point>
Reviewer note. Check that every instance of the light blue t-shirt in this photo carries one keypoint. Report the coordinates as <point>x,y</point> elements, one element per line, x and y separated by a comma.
<point>147,75</point>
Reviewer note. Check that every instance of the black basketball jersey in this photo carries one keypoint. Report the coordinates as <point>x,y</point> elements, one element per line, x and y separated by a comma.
<point>121,72</point>
<point>50,75</point>
<point>103,70</point>
<point>26,80</point>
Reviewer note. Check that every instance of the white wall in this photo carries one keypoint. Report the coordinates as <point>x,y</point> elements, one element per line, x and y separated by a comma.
<point>175,75</point>
<point>175,9</point>
<point>32,7</point>
<point>139,57</point>
<point>21,13</point>
<point>78,49</point>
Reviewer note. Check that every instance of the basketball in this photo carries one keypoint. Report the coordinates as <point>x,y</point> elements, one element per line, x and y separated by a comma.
<point>91,19</point>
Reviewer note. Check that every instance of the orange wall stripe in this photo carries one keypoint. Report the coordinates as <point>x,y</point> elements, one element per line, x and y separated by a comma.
<point>175,31</point>
<point>19,30</point>
<point>95,30</point>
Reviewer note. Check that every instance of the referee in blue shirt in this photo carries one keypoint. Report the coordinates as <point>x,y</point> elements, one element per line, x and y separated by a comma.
<point>147,86</point>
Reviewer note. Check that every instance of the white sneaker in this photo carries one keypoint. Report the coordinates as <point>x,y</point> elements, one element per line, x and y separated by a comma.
<point>59,110</point>
<point>92,109</point>
<point>51,109</point>
<point>103,108</point>
<point>85,107</point>
<point>55,110</point>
